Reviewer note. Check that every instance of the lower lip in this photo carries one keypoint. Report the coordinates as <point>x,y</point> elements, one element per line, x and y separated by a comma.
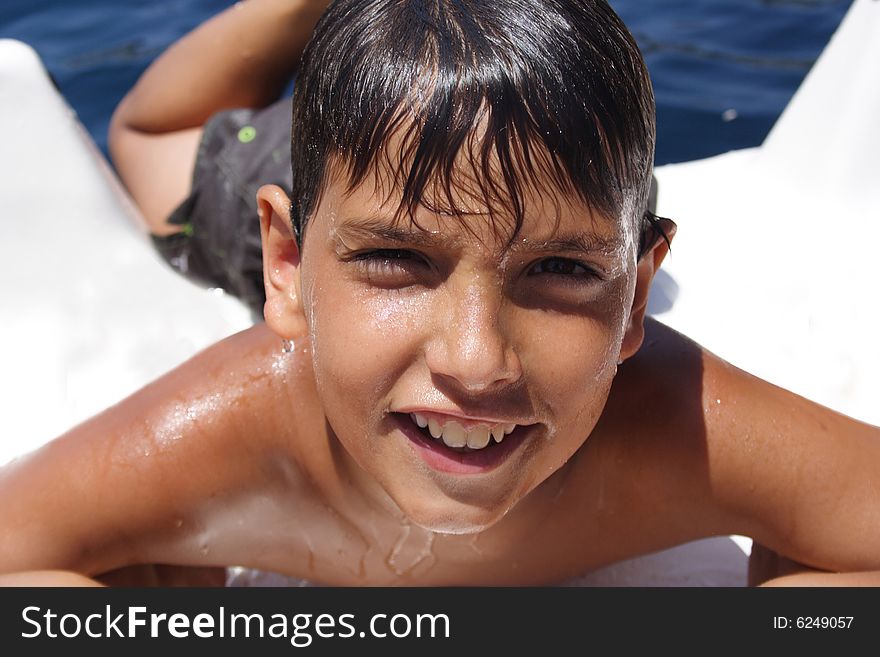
<point>439,457</point>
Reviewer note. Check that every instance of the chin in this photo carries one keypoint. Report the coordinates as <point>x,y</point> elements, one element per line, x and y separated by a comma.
<point>452,527</point>
<point>453,517</point>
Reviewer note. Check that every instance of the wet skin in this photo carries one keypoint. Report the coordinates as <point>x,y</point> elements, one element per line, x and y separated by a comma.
<point>254,478</point>
<point>443,317</point>
<point>304,460</point>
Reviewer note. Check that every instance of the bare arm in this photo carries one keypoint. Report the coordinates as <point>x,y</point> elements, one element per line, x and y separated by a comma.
<point>801,479</point>
<point>129,486</point>
<point>721,452</point>
<point>767,568</point>
<point>243,57</point>
<point>814,579</point>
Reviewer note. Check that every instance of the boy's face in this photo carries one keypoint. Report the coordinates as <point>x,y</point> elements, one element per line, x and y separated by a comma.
<point>443,323</point>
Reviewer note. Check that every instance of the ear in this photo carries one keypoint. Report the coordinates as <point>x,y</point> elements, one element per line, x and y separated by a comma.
<point>281,264</point>
<point>646,268</point>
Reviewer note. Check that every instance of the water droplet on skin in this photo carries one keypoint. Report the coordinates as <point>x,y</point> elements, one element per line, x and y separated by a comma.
<point>412,549</point>
<point>558,495</point>
<point>393,557</point>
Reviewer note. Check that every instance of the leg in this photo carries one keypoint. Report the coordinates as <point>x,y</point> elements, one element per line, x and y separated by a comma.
<point>243,57</point>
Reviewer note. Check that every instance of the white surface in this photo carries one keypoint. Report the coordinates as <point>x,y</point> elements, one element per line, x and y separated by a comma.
<point>89,312</point>
<point>774,262</point>
<point>719,561</point>
<point>771,269</point>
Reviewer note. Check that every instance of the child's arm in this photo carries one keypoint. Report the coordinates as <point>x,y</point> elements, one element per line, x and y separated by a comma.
<point>133,485</point>
<point>799,478</point>
<point>140,575</point>
<point>767,568</point>
<point>715,451</point>
<point>242,57</point>
<point>815,579</point>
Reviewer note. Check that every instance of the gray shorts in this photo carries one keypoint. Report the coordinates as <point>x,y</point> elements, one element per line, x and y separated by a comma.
<point>219,246</point>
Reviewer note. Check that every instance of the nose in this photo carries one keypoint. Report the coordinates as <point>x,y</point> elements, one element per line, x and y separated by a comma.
<point>471,346</point>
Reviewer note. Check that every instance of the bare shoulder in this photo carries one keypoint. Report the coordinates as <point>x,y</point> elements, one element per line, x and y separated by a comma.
<point>740,455</point>
<point>115,489</point>
<point>793,474</point>
<point>650,449</point>
<point>235,401</point>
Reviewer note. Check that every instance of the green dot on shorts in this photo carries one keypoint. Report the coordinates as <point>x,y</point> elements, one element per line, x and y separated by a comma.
<point>247,134</point>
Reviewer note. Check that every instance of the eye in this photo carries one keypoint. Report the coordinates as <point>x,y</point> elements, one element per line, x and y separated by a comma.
<point>391,267</point>
<point>385,257</point>
<point>562,267</point>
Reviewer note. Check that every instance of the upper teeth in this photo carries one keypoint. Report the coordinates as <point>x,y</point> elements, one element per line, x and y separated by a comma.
<point>454,435</point>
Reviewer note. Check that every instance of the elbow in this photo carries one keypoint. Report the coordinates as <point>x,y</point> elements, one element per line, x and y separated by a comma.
<point>117,130</point>
<point>43,578</point>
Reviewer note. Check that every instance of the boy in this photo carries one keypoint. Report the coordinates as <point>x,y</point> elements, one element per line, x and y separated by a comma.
<point>455,357</point>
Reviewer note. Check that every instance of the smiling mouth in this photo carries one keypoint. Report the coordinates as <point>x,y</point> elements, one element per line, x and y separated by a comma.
<point>498,442</point>
<point>457,437</point>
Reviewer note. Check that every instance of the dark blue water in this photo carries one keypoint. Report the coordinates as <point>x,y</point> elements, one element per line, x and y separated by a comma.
<point>723,70</point>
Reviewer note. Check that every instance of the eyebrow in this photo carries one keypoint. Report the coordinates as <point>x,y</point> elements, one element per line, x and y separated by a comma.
<point>580,243</point>
<point>372,229</point>
<point>588,243</point>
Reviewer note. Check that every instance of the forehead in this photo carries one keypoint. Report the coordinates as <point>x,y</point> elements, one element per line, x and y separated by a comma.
<point>463,213</point>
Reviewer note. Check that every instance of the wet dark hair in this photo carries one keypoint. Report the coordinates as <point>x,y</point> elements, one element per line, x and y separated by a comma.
<point>522,88</point>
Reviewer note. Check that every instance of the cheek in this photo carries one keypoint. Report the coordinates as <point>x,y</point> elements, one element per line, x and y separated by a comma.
<point>577,357</point>
<point>573,359</point>
<point>362,342</point>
